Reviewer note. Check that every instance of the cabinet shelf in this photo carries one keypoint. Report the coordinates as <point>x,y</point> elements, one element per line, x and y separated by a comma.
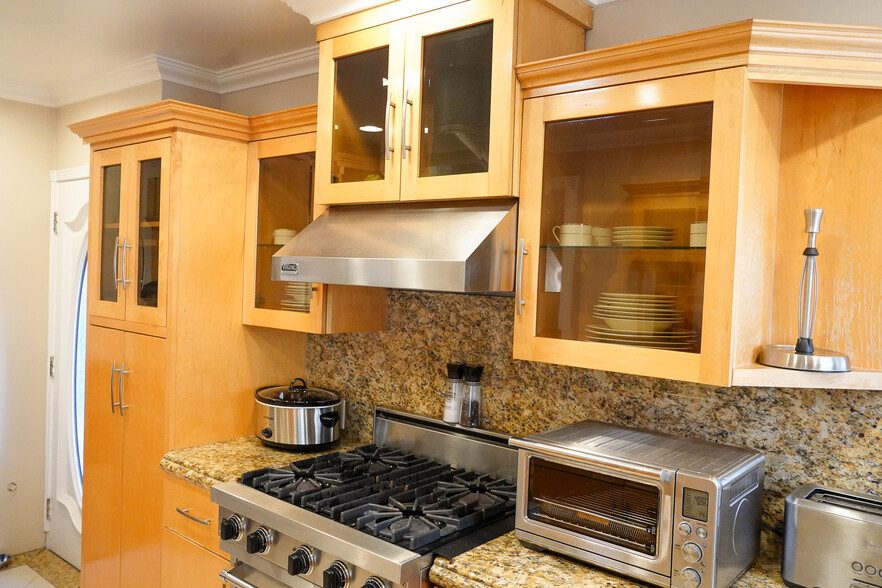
<point>772,377</point>
<point>276,245</point>
<point>618,248</point>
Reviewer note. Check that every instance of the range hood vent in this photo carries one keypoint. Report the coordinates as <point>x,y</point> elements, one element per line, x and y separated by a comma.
<point>448,247</point>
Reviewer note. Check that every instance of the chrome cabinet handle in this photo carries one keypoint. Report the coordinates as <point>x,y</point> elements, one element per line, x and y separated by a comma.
<point>405,104</point>
<point>185,512</point>
<point>125,245</point>
<point>227,576</point>
<point>116,277</point>
<point>522,252</point>
<point>113,404</point>
<point>122,372</point>
<point>387,129</point>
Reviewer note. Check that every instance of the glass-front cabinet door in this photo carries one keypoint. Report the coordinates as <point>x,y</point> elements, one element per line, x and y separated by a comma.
<point>616,213</point>
<point>129,243</point>
<point>279,205</point>
<point>417,109</point>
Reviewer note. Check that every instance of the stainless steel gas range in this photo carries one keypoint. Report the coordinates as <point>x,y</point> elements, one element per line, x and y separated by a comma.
<point>372,517</point>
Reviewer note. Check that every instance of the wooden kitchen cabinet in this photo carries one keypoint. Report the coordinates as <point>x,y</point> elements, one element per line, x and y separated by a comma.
<point>281,173</point>
<point>203,388</point>
<point>124,442</point>
<point>128,279</point>
<point>185,563</point>
<point>737,126</point>
<point>417,100</point>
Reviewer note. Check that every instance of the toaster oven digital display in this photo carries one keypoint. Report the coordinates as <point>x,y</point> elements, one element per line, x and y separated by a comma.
<point>695,504</point>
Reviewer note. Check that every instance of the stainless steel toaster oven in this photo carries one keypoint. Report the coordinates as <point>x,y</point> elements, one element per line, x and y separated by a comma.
<point>665,510</point>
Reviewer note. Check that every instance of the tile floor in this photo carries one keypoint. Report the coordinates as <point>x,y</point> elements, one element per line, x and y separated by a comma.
<point>39,569</point>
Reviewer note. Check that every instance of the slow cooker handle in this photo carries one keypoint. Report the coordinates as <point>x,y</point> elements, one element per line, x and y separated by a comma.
<point>294,385</point>
<point>329,419</point>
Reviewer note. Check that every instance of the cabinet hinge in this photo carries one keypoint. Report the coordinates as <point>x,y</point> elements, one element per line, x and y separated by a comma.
<point>51,366</point>
<point>55,222</point>
<point>48,507</point>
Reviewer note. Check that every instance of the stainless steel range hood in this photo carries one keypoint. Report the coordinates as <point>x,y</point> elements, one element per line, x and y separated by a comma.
<point>450,247</point>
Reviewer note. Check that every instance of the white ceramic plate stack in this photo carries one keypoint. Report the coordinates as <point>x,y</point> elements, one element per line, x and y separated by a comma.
<point>638,236</point>
<point>643,320</point>
<point>297,296</point>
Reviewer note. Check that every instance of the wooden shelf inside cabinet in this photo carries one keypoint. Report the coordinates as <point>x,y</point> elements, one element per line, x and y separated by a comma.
<point>617,248</point>
<point>770,377</point>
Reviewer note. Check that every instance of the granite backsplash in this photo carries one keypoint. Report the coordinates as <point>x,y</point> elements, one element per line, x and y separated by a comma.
<point>827,436</point>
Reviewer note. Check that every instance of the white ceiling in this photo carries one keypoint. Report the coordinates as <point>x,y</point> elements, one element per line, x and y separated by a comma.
<point>47,44</point>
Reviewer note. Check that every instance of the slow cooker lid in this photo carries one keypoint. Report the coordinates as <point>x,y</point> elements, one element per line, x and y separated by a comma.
<point>297,393</point>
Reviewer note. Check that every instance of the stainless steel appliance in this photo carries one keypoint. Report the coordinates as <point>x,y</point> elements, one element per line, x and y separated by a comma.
<point>832,538</point>
<point>373,517</point>
<point>299,417</point>
<point>665,510</point>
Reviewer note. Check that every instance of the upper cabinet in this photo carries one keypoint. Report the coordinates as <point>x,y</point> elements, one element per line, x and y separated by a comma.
<point>279,204</point>
<point>417,100</point>
<point>127,279</point>
<point>662,189</point>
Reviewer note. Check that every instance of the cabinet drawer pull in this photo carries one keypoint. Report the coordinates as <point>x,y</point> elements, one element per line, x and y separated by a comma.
<point>186,513</point>
<point>125,245</point>
<point>116,247</point>
<point>119,389</point>
<point>520,302</point>
<point>405,104</point>
<point>113,404</point>
<point>388,128</point>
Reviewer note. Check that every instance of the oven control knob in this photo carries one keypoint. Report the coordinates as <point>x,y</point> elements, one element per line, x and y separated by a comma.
<point>259,541</point>
<point>374,582</point>
<point>337,576</point>
<point>232,528</point>
<point>301,561</point>
<point>691,578</point>
<point>692,552</point>
<point>685,529</point>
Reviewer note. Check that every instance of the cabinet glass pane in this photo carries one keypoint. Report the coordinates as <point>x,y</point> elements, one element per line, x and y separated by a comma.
<point>361,83</point>
<point>110,186</point>
<point>148,231</point>
<point>624,211</point>
<point>455,113</point>
<point>284,208</point>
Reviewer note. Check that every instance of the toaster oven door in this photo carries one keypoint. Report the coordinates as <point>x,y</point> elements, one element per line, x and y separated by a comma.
<point>621,513</point>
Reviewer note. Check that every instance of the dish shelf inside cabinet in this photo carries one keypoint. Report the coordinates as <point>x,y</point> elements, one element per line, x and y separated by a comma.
<point>623,196</point>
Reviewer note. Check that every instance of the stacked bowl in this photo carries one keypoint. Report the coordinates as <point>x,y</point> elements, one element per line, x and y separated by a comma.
<point>297,295</point>
<point>643,320</point>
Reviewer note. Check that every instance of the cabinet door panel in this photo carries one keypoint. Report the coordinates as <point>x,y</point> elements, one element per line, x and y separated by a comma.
<point>359,115</point>
<point>107,219</point>
<point>459,128</point>
<point>102,458</point>
<point>147,182</point>
<point>185,563</point>
<point>143,403</point>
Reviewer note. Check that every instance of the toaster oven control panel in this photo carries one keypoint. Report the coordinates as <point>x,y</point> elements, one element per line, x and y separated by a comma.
<point>695,514</point>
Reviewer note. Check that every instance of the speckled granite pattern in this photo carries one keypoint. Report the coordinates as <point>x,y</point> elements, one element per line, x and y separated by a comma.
<point>223,461</point>
<point>505,563</point>
<point>826,436</point>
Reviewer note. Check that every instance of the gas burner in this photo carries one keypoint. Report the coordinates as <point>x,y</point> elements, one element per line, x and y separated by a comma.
<point>302,478</point>
<point>481,492</point>
<point>373,460</point>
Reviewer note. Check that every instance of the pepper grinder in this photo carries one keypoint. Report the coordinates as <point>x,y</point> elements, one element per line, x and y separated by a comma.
<point>804,355</point>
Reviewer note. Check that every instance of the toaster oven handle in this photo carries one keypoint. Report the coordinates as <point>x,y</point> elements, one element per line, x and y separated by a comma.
<point>229,576</point>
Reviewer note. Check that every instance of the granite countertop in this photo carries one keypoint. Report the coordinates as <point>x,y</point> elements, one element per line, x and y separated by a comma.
<point>500,563</point>
<point>505,563</point>
<point>223,461</point>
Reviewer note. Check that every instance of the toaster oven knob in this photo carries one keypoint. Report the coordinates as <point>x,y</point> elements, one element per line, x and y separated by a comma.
<point>232,528</point>
<point>690,577</point>
<point>259,541</point>
<point>691,552</point>
<point>337,576</point>
<point>301,561</point>
<point>685,529</point>
<point>374,582</point>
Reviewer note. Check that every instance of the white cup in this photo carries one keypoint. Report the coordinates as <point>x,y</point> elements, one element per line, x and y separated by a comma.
<point>698,227</point>
<point>282,236</point>
<point>698,239</point>
<point>572,234</point>
<point>601,236</point>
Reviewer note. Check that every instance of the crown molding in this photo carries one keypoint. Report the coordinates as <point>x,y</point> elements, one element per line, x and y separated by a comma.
<point>136,73</point>
<point>278,68</point>
<point>318,11</point>
<point>25,93</point>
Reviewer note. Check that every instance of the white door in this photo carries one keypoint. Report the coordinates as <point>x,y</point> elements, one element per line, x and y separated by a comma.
<point>65,389</point>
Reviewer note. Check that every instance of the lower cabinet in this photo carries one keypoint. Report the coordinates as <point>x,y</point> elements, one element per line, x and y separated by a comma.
<point>185,563</point>
<point>124,442</point>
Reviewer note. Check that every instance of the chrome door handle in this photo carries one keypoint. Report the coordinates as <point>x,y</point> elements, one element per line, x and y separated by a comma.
<point>125,245</point>
<point>122,372</point>
<point>116,277</point>
<point>522,252</point>
<point>387,129</point>
<point>227,576</point>
<point>404,105</point>
<point>113,404</point>
<point>185,512</point>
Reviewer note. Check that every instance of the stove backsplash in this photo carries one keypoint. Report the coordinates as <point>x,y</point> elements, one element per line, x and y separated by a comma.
<point>826,436</point>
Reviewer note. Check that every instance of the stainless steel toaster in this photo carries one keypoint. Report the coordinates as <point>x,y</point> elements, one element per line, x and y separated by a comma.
<point>832,539</point>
